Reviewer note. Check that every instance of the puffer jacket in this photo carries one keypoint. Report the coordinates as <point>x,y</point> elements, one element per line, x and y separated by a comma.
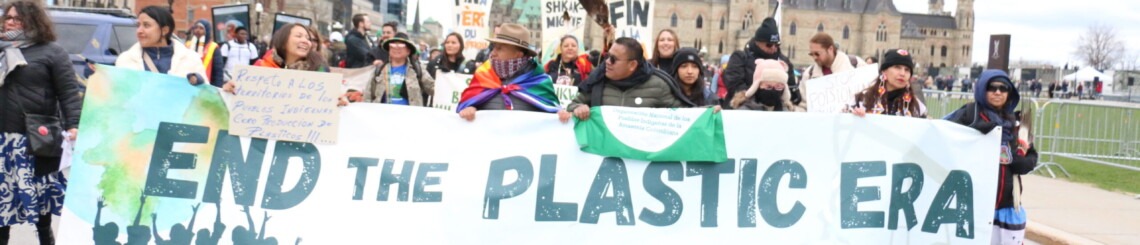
<point>657,91</point>
<point>43,86</point>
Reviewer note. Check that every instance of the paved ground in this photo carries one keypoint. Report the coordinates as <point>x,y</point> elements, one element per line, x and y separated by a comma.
<point>1062,212</point>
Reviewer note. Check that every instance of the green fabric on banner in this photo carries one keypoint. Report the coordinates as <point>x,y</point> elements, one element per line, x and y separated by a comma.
<point>704,141</point>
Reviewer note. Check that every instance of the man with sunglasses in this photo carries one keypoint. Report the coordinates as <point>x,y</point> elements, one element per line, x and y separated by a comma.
<point>765,44</point>
<point>995,105</point>
<point>828,60</point>
<point>623,79</point>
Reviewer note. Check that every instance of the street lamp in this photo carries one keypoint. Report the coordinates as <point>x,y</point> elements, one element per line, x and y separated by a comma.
<point>257,7</point>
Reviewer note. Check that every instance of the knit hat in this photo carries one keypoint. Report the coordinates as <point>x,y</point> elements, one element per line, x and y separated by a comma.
<point>768,71</point>
<point>686,55</point>
<point>896,57</point>
<point>769,31</point>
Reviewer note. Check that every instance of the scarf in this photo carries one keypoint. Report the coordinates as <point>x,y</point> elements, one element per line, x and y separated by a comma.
<point>508,68</point>
<point>10,55</point>
<point>533,87</point>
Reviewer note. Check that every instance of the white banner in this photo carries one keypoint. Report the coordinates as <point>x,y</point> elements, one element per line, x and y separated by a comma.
<point>634,19</point>
<point>561,18</point>
<point>835,92</point>
<point>154,161</point>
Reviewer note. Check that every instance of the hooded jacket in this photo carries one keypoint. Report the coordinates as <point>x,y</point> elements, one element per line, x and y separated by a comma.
<point>741,65</point>
<point>980,115</point>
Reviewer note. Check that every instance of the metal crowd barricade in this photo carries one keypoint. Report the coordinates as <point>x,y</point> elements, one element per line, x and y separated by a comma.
<point>1100,132</point>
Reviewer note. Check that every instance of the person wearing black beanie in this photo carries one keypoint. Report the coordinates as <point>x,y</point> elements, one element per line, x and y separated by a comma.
<point>765,44</point>
<point>891,93</point>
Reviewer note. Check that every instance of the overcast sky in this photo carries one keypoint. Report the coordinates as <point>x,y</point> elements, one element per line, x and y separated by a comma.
<point>1045,30</point>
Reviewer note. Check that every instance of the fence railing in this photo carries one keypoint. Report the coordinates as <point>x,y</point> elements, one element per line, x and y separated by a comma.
<point>1100,132</point>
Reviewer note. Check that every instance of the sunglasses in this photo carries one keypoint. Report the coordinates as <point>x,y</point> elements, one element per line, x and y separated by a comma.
<point>997,88</point>
<point>770,45</point>
<point>610,59</point>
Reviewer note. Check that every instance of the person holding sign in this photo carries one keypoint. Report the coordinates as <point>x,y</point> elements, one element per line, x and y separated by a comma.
<point>157,52</point>
<point>569,68</point>
<point>401,81</point>
<point>828,60</point>
<point>994,106</point>
<point>39,100</point>
<point>511,81</point>
<point>625,79</point>
<point>451,60</point>
<point>664,49</point>
<point>691,78</point>
<point>293,49</point>
<point>890,94</point>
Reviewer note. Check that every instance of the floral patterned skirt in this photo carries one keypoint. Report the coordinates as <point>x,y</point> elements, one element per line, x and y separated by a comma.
<point>23,196</point>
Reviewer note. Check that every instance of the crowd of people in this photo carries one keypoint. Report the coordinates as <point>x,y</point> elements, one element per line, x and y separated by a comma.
<point>39,82</point>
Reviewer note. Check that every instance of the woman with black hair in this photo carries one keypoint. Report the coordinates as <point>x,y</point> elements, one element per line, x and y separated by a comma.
<point>567,67</point>
<point>157,52</point>
<point>451,60</point>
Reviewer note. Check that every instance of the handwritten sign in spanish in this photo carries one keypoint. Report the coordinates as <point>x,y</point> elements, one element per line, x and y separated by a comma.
<point>634,19</point>
<point>472,20</point>
<point>835,92</point>
<point>561,18</point>
<point>285,105</point>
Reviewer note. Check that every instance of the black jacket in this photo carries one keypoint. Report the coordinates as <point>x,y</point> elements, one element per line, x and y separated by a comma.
<point>968,115</point>
<point>439,64</point>
<point>47,85</point>
<point>357,50</point>
<point>741,65</point>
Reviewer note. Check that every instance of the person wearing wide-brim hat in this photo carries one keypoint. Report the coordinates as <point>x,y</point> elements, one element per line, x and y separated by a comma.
<point>401,81</point>
<point>512,80</point>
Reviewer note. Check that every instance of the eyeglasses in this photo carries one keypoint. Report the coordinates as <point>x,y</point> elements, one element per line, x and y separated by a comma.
<point>770,45</point>
<point>610,59</point>
<point>6,18</point>
<point>997,88</point>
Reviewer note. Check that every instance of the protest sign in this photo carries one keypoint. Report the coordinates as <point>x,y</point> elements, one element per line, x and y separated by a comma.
<point>472,22</point>
<point>354,78</point>
<point>836,92</point>
<point>227,19</point>
<point>634,19</point>
<point>282,19</point>
<point>285,104</point>
<point>566,94</point>
<point>449,88</point>
<point>560,18</point>
<point>152,148</point>
<point>653,134</point>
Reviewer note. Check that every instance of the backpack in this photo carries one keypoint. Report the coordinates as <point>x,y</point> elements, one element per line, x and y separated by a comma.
<point>414,65</point>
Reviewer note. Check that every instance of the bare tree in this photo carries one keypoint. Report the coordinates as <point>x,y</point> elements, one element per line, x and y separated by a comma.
<point>1130,61</point>
<point>1100,47</point>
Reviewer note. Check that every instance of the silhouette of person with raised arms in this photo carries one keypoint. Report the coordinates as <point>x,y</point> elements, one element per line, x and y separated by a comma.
<point>243,235</point>
<point>179,235</point>
<point>104,234</point>
<point>204,236</point>
<point>138,234</point>
<point>261,235</point>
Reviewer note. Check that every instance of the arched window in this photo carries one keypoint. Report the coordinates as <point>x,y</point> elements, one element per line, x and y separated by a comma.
<point>700,21</point>
<point>931,50</point>
<point>846,32</point>
<point>792,29</point>
<point>943,50</point>
<point>819,28</point>
<point>720,47</point>
<point>722,21</point>
<point>673,20</point>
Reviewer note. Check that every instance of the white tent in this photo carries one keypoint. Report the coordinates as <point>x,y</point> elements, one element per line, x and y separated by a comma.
<point>1086,74</point>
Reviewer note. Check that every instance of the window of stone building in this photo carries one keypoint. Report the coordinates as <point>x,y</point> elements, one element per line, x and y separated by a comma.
<point>792,29</point>
<point>931,50</point>
<point>673,20</point>
<point>945,33</point>
<point>720,47</point>
<point>943,50</point>
<point>722,21</point>
<point>846,32</point>
<point>847,4</point>
<point>819,28</point>
<point>700,21</point>
<point>820,3</point>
